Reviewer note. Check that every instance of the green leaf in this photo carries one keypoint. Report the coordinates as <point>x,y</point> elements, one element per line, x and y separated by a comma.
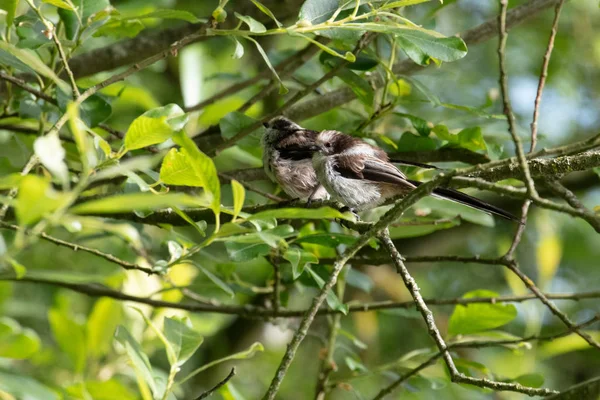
<point>317,11</point>
<point>183,339</point>
<point>300,259</point>
<point>246,251</point>
<point>137,357</point>
<point>101,390</point>
<point>332,300</point>
<point>216,280</point>
<point>70,337</point>
<point>531,380</point>
<point>472,318</point>
<point>168,14</point>
<point>239,195</point>
<point>253,24</point>
<point>94,110</point>
<point>265,10</point>
<point>361,88</point>
<point>17,342</point>
<point>32,61</point>
<point>23,387</point>
<point>328,239</point>
<point>155,126</point>
<point>234,122</point>
<point>239,50</point>
<point>120,29</point>
<point>471,139</point>
<point>60,4</point>
<point>420,125</point>
<point>135,202</point>
<point>361,63</point>
<point>422,227</point>
<point>419,45</point>
<point>442,132</point>
<point>101,326</point>
<point>35,199</point>
<point>411,142</point>
<point>204,169</point>
<point>10,6</point>
<point>302,213</point>
<point>87,153</point>
<point>10,181</point>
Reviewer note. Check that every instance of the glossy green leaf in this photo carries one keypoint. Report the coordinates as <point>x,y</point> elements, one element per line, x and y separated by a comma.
<point>10,181</point>
<point>471,139</point>
<point>216,280</point>
<point>420,125</point>
<point>183,339</point>
<point>101,326</point>
<point>317,11</point>
<point>567,344</point>
<point>135,202</point>
<point>204,168</point>
<point>300,259</point>
<point>33,62</point>
<point>332,300</point>
<point>253,24</point>
<point>472,318</point>
<point>101,390</point>
<point>121,29</point>
<point>169,14</point>
<point>155,126</point>
<point>137,356</point>
<point>328,239</point>
<point>302,213</point>
<point>70,337</point>
<point>411,142</point>
<point>59,4</point>
<point>239,195</point>
<point>419,45</point>
<point>246,251</point>
<point>266,11</point>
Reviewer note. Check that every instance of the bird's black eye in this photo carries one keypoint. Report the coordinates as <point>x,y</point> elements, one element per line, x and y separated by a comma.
<point>328,145</point>
<point>266,125</point>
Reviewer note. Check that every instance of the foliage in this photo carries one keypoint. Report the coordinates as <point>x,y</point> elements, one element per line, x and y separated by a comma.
<point>140,240</point>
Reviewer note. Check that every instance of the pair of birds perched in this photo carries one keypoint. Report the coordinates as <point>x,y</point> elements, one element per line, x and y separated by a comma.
<point>311,165</point>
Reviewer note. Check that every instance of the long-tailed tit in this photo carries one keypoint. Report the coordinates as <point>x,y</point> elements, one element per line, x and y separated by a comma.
<point>361,177</point>
<point>287,159</point>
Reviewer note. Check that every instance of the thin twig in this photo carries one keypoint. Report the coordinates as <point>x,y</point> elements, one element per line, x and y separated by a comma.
<point>247,311</point>
<point>476,344</point>
<point>544,74</point>
<point>218,385</point>
<point>77,247</point>
<point>434,332</point>
<point>574,202</point>
<point>254,189</point>
<point>23,85</point>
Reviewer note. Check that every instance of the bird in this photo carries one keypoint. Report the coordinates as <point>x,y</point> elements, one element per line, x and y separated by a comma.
<point>287,159</point>
<point>361,176</point>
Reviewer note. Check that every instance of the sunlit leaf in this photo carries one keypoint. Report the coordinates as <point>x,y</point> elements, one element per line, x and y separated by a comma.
<point>317,11</point>
<point>183,339</point>
<point>17,342</point>
<point>472,318</point>
<point>35,199</point>
<point>302,213</point>
<point>59,4</point>
<point>24,387</point>
<point>253,24</point>
<point>10,6</point>
<point>137,356</point>
<point>101,326</point>
<point>155,126</point>
<point>169,14</point>
<point>70,337</point>
<point>265,10</point>
<point>239,195</point>
<point>134,201</point>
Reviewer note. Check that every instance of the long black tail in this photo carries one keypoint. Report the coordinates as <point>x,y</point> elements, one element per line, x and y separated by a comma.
<point>473,202</point>
<point>413,164</point>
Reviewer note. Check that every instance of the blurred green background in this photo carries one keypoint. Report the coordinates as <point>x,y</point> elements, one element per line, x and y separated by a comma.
<point>559,252</point>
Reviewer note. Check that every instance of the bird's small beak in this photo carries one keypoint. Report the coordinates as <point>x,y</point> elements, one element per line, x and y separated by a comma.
<point>316,148</point>
<point>265,124</point>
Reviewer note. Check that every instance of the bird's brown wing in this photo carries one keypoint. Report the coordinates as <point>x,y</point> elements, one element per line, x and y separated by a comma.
<point>369,168</point>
